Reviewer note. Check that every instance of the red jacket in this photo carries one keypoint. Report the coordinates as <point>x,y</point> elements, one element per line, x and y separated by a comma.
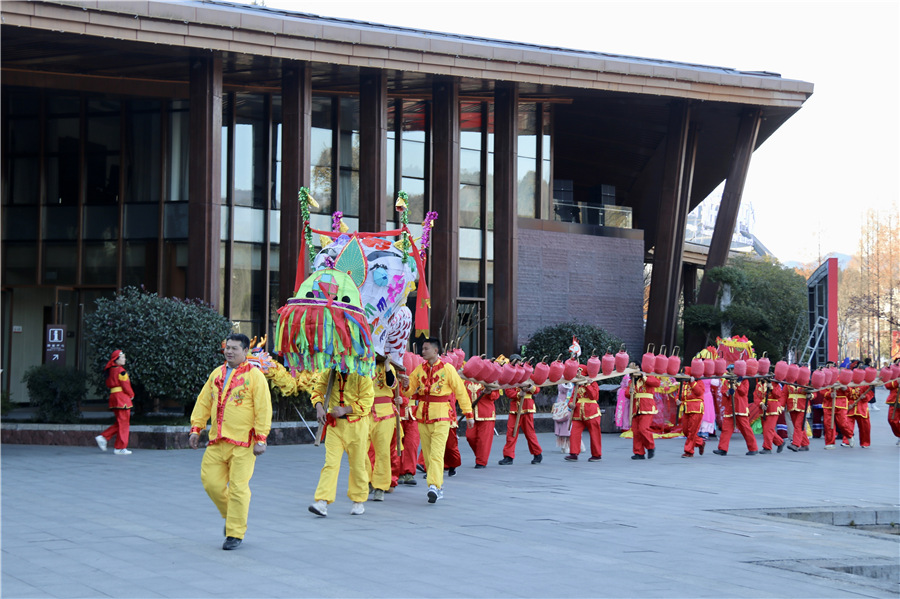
<point>692,396</point>
<point>644,402</point>
<point>741,397</point>
<point>584,402</point>
<point>120,393</point>
<point>513,394</point>
<point>774,399</point>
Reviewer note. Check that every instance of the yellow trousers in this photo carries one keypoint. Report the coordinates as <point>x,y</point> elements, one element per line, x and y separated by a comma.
<point>225,471</point>
<point>351,438</point>
<point>433,437</point>
<point>381,434</point>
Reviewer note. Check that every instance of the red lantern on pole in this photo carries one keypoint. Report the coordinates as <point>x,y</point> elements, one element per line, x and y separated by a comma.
<point>648,360</point>
<point>804,375</point>
<point>541,372</point>
<point>764,364</point>
<point>818,379</point>
<point>781,370</point>
<point>622,360</point>
<point>752,366</point>
<point>556,371</point>
<point>607,364</point>
<point>740,368</point>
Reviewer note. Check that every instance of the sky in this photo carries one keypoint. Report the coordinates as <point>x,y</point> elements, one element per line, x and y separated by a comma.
<point>811,183</point>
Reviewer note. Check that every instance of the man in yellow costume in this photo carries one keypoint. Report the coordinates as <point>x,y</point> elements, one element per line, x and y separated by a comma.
<point>236,398</point>
<point>343,406</point>
<point>432,384</point>
<point>383,427</point>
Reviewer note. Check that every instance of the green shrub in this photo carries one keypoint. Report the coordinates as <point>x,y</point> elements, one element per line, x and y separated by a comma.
<point>56,393</point>
<point>556,339</point>
<point>171,345</point>
<point>6,404</point>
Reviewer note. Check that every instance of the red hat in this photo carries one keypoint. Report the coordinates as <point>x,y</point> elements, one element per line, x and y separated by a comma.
<point>687,370</point>
<point>112,359</point>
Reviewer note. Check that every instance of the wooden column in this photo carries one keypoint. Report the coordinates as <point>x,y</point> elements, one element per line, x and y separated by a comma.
<point>445,200</point>
<point>204,203</point>
<point>372,149</point>
<point>669,245</point>
<point>506,253</point>
<point>731,201</point>
<point>296,119</point>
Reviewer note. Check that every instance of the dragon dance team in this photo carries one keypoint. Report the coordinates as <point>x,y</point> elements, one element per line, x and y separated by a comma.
<point>394,423</point>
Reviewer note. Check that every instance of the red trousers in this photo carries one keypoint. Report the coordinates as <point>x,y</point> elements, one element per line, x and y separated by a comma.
<point>480,438</point>
<point>593,428</point>
<point>799,439</point>
<point>642,436</point>
<point>690,424</point>
<point>119,428</point>
<point>841,423</point>
<point>769,421</point>
<point>743,425</point>
<point>526,425</point>
<point>865,430</point>
<point>894,419</point>
<point>410,447</point>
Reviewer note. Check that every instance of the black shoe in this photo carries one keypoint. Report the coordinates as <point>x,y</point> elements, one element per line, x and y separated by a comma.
<point>594,458</point>
<point>452,471</point>
<point>536,459</point>
<point>638,456</point>
<point>720,452</point>
<point>780,448</point>
<point>804,448</point>
<point>477,467</point>
<point>410,480</point>
<point>571,458</point>
<point>231,543</point>
<point>702,447</point>
<point>764,451</point>
<point>420,468</point>
<point>793,447</point>
<point>752,452</point>
<point>506,461</point>
<point>650,453</point>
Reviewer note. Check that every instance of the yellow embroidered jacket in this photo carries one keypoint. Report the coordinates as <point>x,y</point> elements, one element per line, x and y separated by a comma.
<point>238,403</point>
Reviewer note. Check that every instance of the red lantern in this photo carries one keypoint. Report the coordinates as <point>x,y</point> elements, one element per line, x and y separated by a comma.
<point>764,364</point>
<point>859,375</point>
<point>752,366</point>
<point>830,375</point>
<point>594,364</point>
<point>740,368</point>
<point>793,372</point>
<point>674,362</point>
<point>709,367</point>
<point>818,379</point>
<point>556,371</point>
<point>472,368</point>
<point>622,360</point>
<point>607,364</point>
<point>570,371</point>
<point>895,371</point>
<point>871,374</point>
<point>885,374</point>
<point>528,370</point>
<point>697,366</point>
<point>541,371</point>
<point>804,375</point>
<point>648,360</point>
<point>721,366</point>
<point>661,364</point>
<point>507,373</point>
<point>781,370</point>
<point>845,376</point>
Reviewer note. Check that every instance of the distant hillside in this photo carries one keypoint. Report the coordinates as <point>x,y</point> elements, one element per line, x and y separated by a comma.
<point>843,260</point>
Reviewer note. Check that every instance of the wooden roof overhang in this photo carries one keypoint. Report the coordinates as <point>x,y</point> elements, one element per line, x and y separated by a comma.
<point>611,121</point>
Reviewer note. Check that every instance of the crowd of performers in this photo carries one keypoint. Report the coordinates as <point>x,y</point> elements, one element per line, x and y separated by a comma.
<point>412,420</point>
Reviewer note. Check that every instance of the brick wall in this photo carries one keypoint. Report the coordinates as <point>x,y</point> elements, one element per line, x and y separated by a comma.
<point>586,278</point>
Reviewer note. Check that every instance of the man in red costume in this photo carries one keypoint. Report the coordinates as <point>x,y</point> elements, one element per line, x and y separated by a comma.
<point>521,409</point>
<point>768,395</point>
<point>120,398</point>
<point>858,413</point>
<point>893,402</point>
<point>795,402</point>
<point>643,406</point>
<point>692,398</point>
<point>585,415</point>
<point>432,384</point>
<point>835,402</point>
<point>406,469</point>
<point>481,436</point>
<point>736,412</point>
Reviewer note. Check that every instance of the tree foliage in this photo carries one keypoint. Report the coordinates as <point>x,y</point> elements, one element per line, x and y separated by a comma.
<point>55,392</point>
<point>767,301</point>
<point>556,339</point>
<point>171,344</point>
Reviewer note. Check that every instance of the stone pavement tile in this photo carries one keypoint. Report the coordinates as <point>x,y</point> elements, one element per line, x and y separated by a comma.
<point>13,587</point>
<point>70,590</point>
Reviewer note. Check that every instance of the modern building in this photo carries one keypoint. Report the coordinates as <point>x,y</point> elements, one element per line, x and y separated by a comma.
<point>162,144</point>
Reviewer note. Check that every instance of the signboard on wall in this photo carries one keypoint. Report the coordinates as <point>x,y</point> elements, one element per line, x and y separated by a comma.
<point>55,344</point>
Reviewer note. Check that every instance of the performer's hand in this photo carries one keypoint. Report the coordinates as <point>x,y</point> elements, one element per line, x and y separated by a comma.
<point>320,414</point>
<point>338,411</point>
<point>470,422</point>
<point>194,441</point>
<point>403,379</point>
<point>398,401</point>
<point>259,449</point>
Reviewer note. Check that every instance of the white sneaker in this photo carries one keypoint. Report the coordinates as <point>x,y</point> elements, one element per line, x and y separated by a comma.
<point>358,509</point>
<point>434,494</point>
<point>851,443</point>
<point>122,452</point>
<point>319,508</point>
<point>829,446</point>
<point>378,495</point>
<point>101,442</point>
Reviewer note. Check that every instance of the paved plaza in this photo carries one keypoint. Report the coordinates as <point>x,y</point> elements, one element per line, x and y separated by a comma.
<point>80,523</point>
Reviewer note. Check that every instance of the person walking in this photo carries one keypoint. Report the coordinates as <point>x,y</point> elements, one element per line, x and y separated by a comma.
<point>120,402</point>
